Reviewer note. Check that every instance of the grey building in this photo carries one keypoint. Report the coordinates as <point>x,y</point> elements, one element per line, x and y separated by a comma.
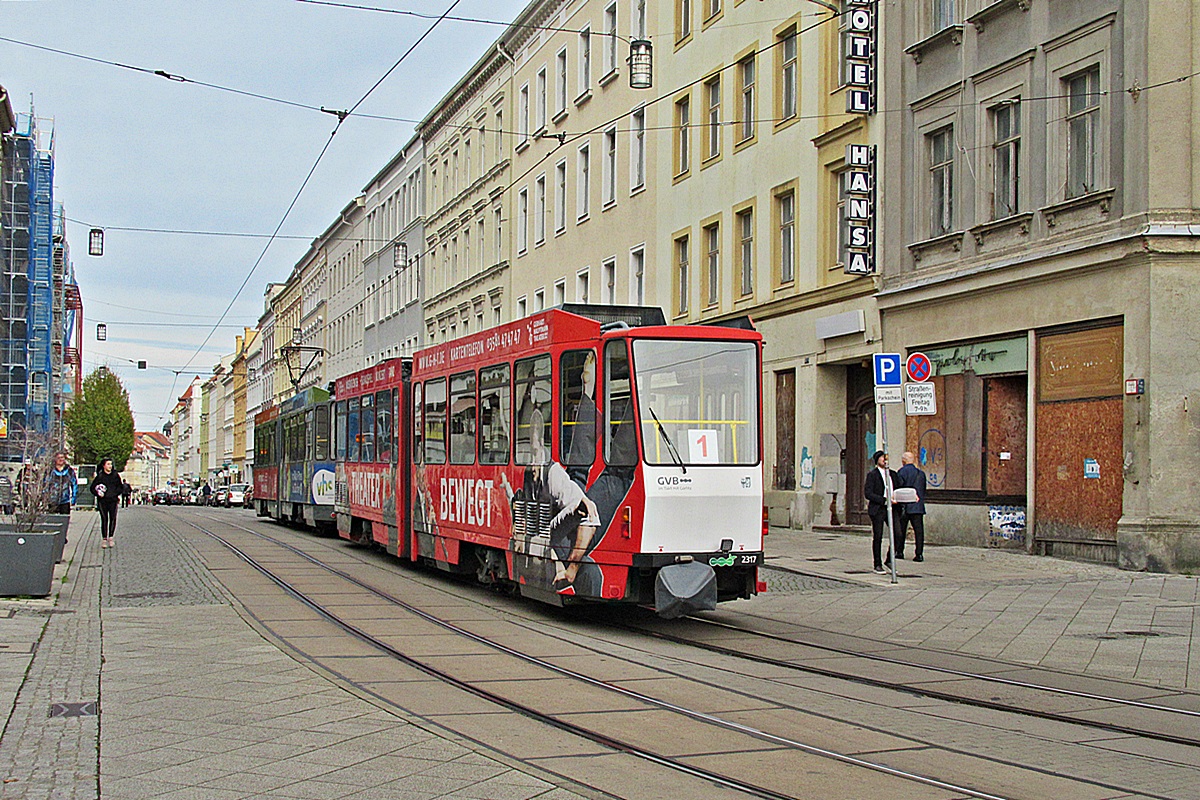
<point>1040,242</point>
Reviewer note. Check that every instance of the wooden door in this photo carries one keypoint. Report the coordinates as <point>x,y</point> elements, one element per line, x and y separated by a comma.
<point>785,430</point>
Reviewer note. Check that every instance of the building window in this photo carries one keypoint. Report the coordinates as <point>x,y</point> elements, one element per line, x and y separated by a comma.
<point>585,61</point>
<point>712,264</point>
<point>610,39</point>
<point>683,130</point>
<point>682,288</point>
<point>683,19</point>
<point>639,19</point>
<point>539,300</point>
<point>637,150</point>
<point>560,67</point>
<point>522,221</point>
<point>583,195</point>
<point>583,289</point>
<point>608,274</point>
<point>788,88</point>
<point>745,228</point>
<point>941,181</point>
<point>560,197</point>
<point>637,276</point>
<point>560,292</point>
<point>942,14</point>
<point>843,221</point>
<point>610,166</point>
<point>498,222</point>
<point>1006,152</point>
<point>522,307</point>
<point>711,9</point>
<point>1083,133</point>
<point>746,78</point>
<point>541,99</point>
<point>712,95</point>
<point>523,110</point>
<point>785,205</point>
<point>539,210</point>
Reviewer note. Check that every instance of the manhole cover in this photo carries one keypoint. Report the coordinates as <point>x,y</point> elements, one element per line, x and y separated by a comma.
<point>146,595</point>
<point>87,709</point>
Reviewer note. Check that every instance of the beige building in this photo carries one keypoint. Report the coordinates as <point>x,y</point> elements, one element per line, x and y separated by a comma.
<point>751,148</point>
<point>464,266</point>
<point>1043,245</point>
<point>342,247</point>
<point>583,196</point>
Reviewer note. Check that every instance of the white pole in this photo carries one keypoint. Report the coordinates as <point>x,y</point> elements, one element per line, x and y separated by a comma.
<point>887,488</point>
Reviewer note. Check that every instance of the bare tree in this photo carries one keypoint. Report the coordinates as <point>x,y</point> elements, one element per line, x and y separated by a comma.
<point>33,491</point>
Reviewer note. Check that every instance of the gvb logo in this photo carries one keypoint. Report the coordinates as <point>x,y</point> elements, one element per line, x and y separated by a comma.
<point>669,481</point>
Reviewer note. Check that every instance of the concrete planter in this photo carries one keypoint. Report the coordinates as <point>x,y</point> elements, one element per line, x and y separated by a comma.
<point>57,523</point>
<point>26,562</point>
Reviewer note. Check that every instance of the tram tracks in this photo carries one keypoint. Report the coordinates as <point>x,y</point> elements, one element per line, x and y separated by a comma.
<point>595,733</point>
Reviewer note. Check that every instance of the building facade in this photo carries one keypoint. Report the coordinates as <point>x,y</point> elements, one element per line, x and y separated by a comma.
<point>1043,251</point>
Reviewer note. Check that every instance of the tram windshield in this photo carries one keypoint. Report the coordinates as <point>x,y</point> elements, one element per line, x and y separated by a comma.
<point>698,401</point>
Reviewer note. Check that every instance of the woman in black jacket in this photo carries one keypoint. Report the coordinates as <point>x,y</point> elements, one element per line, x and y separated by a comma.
<point>107,487</point>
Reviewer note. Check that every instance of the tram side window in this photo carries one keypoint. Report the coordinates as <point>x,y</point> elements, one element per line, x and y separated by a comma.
<point>385,435</point>
<point>620,439</point>
<point>340,431</point>
<point>366,428</point>
<point>295,438</point>
<point>435,421</point>
<point>353,440</point>
<point>494,408</point>
<point>577,407</point>
<point>462,418</point>
<point>310,424</point>
<point>533,410</point>
<point>418,429</point>
<point>321,432</point>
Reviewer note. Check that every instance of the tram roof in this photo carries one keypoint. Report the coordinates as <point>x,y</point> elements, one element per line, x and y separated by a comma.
<point>561,325</point>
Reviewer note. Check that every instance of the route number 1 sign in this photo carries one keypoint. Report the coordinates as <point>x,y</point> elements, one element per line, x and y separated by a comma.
<point>702,447</point>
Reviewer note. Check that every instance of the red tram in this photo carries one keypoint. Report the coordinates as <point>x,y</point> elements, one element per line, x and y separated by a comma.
<point>583,453</point>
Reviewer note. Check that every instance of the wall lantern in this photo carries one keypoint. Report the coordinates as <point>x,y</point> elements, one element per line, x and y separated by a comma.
<point>101,332</point>
<point>641,64</point>
<point>400,255</point>
<point>95,242</point>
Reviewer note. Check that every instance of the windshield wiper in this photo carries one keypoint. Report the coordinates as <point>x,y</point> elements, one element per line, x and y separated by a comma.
<point>670,444</point>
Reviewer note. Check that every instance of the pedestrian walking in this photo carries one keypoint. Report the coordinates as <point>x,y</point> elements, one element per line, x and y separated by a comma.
<point>126,493</point>
<point>63,485</point>
<point>912,477</point>
<point>107,488</point>
<point>879,485</point>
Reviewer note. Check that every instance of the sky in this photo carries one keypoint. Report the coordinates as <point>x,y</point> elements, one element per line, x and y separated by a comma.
<point>135,150</point>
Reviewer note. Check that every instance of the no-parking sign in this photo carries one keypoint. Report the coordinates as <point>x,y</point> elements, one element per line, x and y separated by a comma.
<point>919,367</point>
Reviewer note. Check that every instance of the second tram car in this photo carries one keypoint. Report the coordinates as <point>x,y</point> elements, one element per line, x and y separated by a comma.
<point>293,462</point>
<point>582,453</point>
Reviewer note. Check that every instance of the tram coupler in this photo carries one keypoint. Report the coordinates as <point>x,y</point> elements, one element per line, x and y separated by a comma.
<point>685,588</point>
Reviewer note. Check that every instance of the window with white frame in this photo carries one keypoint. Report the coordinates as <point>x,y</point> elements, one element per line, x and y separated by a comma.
<point>712,263</point>
<point>745,231</point>
<point>522,221</point>
<point>541,99</point>
<point>480,227</point>
<point>711,8</point>
<point>942,14</point>
<point>523,112</point>
<point>608,277</point>
<point>712,97</point>
<point>583,289</point>
<point>683,133</point>
<point>637,149</point>
<point>1006,154</point>
<point>560,88</point>
<point>498,233</point>
<point>683,19</point>
<point>584,190</point>
<point>940,146</point>
<point>637,276</point>
<point>610,39</point>
<point>610,166</point>
<point>539,210</point>
<point>746,78</point>
<point>560,196</point>
<point>682,274</point>
<point>785,212</point>
<point>585,61</point>
<point>522,307</point>
<point>788,76</point>
<point>560,292</point>
<point>539,300</point>
<point>639,19</point>
<point>843,221</point>
<point>1083,133</point>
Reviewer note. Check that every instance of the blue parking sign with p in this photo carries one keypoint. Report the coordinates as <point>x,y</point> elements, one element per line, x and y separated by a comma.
<point>887,369</point>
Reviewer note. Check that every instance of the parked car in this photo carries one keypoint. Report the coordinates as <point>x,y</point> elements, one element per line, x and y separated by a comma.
<point>249,499</point>
<point>218,496</point>
<point>236,495</point>
<point>162,498</point>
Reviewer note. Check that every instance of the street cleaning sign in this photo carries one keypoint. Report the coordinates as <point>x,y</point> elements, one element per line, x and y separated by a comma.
<point>920,400</point>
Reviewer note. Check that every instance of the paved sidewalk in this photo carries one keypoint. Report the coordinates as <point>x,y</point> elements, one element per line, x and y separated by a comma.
<point>192,701</point>
<point>1078,617</point>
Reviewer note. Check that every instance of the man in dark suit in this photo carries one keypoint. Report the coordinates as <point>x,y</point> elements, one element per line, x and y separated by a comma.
<point>878,488</point>
<point>912,476</point>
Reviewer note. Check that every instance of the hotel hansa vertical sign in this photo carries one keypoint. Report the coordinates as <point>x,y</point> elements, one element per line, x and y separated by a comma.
<point>859,179</point>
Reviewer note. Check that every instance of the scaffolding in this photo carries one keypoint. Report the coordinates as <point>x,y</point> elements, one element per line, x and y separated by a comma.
<point>28,390</point>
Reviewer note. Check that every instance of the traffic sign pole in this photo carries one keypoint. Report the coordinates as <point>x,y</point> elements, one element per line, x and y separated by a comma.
<point>887,374</point>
